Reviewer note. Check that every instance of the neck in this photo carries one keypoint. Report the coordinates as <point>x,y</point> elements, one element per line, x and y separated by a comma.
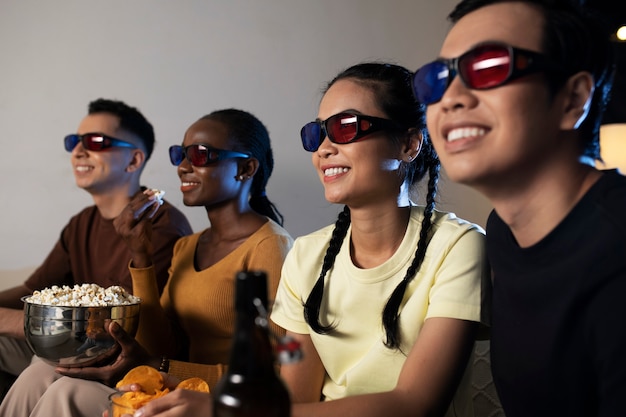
<point>111,202</point>
<point>377,234</point>
<point>533,208</point>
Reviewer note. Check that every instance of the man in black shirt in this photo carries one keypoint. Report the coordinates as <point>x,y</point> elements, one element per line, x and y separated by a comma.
<point>514,108</point>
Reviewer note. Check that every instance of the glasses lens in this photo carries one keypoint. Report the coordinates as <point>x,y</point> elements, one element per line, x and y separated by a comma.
<point>342,128</point>
<point>176,154</point>
<point>70,142</point>
<point>311,135</point>
<point>486,67</point>
<point>200,155</point>
<point>430,82</point>
<point>95,142</point>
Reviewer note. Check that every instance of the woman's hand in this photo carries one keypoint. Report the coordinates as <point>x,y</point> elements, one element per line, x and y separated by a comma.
<point>134,226</point>
<point>131,354</point>
<point>178,403</point>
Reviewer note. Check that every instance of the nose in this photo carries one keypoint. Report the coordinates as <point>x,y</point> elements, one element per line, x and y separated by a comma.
<point>457,96</point>
<point>184,166</point>
<point>79,150</point>
<point>326,148</point>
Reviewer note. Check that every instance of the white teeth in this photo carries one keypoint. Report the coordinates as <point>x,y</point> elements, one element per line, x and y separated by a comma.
<point>187,184</point>
<point>465,132</point>
<point>334,171</point>
<point>82,168</point>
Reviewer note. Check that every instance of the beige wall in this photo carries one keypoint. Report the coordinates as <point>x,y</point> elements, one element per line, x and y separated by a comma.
<point>177,60</point>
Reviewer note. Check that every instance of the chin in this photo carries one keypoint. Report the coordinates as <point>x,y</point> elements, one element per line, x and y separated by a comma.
<point>333,198</point>
<point>462,175</point>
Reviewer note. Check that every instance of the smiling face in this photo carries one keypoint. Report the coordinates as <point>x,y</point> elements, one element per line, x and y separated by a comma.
<point>103,171</point>
<point>504,135</point>
<point>213,184</point>
<point>361,172</point>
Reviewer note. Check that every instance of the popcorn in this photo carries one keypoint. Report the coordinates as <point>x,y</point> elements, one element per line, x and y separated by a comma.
<point>158,194</point>
<point>85,295</point>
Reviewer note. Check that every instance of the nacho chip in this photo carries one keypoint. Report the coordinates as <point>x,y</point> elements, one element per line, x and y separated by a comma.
<point>151,383</point>
<point>194,384</point>
<point>147,377</point>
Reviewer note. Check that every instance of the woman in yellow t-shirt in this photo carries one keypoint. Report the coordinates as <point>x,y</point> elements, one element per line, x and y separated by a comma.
<point>386,302</point>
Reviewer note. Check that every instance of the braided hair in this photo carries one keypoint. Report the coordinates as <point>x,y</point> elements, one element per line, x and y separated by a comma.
<point>391,85</point>
<point>249,135</point>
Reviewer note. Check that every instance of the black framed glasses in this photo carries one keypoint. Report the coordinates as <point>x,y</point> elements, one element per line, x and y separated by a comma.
<point>342,128</point>
<point>94,142</point>
<point>485,66</point>
<point>200,155</point>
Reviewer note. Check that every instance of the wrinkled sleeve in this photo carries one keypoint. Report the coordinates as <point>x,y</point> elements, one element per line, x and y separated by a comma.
<point>462,274</point>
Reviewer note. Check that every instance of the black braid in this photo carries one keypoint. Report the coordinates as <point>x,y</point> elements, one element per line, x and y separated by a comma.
<point>391,312</point>
<point>314,301</point>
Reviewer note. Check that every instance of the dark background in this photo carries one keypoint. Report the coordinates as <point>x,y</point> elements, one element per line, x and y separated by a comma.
<point>615,14</point>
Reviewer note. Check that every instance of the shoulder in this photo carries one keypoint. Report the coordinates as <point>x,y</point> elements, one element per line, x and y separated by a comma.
<point>188,242</point>
<point>169,216</point>
<point>319,238</point>
<point>271,232</point>
<point>452,234</point>
<point>447,225</point>
<point>610,193</point>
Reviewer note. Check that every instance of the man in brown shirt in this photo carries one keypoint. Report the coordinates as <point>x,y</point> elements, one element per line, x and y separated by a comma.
<point>108,154</point>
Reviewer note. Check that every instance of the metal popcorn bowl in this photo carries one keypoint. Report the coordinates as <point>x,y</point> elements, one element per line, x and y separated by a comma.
<point>76,336</point>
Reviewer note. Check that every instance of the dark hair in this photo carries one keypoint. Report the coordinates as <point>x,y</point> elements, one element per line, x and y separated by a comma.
<point>131,120</point>
<point>249,135</point>
<point>579,40</point>
<point>391,85</point>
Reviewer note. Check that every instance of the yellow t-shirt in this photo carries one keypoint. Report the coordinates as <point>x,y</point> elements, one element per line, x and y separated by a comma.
<point>356,361</point>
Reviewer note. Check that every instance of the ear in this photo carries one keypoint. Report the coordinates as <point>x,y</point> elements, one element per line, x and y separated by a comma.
<point>579,90</point>
<point>248,167</point>
<point>137,160</point>
<point>413,145</point>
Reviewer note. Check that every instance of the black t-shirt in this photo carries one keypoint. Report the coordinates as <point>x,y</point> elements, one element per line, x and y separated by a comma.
<point>559,311</point>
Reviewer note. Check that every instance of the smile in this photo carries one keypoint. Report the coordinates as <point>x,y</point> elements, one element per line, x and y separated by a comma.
<point>465,132</point>
<point>329,172</point>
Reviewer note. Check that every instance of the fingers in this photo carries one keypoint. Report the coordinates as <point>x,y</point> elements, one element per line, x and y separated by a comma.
<point>178,403</point>
<point>125,340</point>
<point>146,208</point>
<point>170,381</point>
<point>156,196</point>
<point>92,374</point>
<point>142,206</point>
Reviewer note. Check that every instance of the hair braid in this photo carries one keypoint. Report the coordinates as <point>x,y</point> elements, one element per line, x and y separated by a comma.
<point>391,312</point>
<point>314,301</point>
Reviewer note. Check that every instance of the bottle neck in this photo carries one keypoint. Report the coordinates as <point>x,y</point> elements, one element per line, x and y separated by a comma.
<point>251,355</point>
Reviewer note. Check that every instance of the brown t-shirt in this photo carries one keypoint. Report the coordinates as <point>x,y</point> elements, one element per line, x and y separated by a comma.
<point>90,251</point>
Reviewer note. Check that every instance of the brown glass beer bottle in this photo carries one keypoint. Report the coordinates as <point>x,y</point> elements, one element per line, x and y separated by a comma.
<point>251,386</point>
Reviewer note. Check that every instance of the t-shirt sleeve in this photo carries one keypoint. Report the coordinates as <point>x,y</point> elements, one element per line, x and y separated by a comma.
<point>460,289</point>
